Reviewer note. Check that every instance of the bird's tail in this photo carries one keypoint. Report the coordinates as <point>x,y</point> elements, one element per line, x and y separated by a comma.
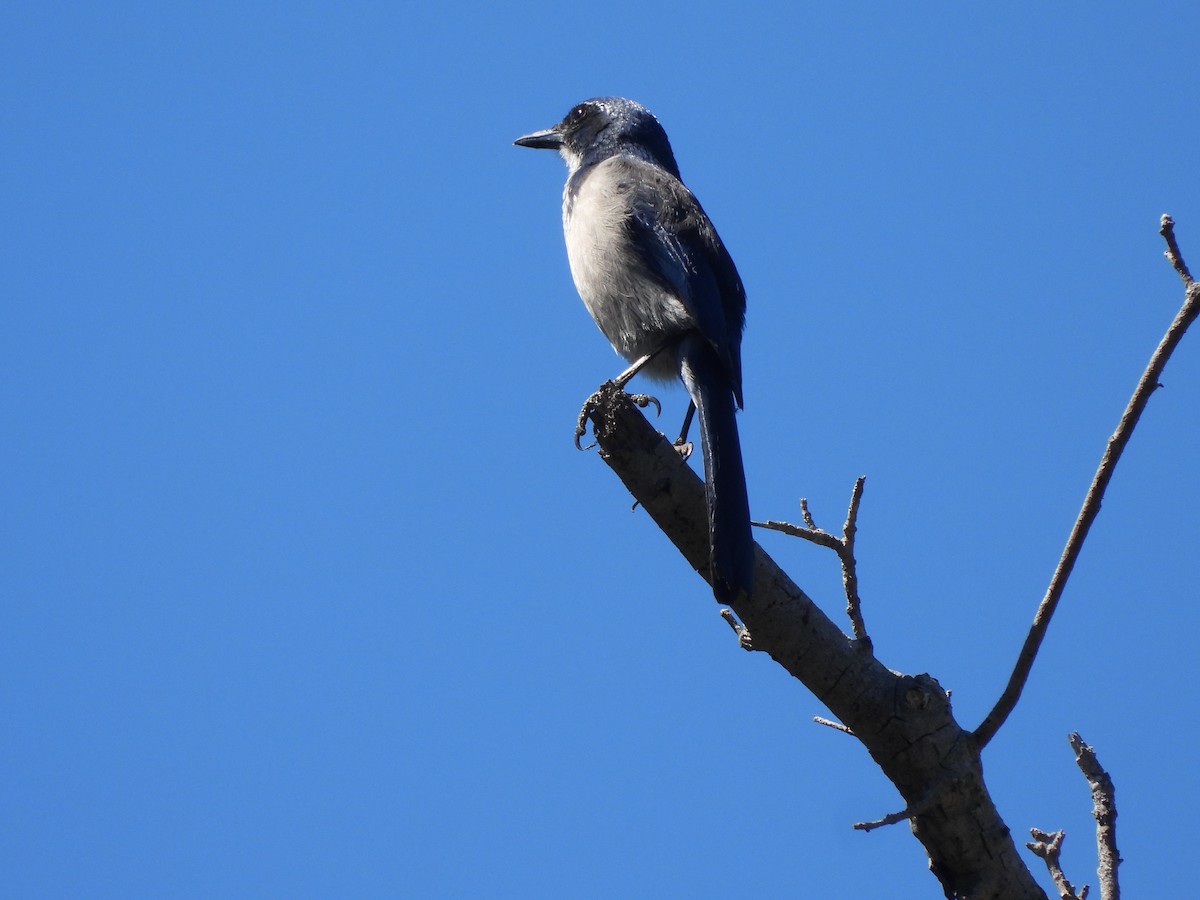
<point>731,547</point>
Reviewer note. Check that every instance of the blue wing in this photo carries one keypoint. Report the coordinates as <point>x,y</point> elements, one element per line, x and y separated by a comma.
<point>679,245</point>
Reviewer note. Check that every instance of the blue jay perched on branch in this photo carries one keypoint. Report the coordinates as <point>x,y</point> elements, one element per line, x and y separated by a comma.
<point>655,276</point>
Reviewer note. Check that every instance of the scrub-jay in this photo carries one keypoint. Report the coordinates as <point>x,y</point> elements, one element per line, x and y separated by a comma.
<point>660,284</point>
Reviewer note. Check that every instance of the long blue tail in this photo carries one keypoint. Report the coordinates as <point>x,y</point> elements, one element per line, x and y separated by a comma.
<point>731,547</point>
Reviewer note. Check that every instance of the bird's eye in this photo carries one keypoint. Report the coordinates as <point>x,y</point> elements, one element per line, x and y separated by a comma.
<point>578,113</point>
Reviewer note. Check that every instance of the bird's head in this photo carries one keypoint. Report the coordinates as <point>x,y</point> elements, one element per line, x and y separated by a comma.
<point>602,127</point>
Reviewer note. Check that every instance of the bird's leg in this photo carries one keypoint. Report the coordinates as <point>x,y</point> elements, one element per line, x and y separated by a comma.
<point>640,400</point>
<point>682,445</point>
<point>623,379</point>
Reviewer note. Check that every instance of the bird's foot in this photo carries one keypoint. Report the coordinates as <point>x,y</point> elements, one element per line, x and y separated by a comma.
<point>590,405</point>
<point>683,448</point>
<point>595,402</point>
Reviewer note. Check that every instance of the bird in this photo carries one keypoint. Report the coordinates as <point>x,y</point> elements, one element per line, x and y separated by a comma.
<point>656,277</point>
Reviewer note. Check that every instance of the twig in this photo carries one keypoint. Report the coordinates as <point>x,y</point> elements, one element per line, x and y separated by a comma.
<point>948,781</point>
<point>742,632</point>
<point>808,519</point>
<point>836,726</point>
<point>1091,504</point>
<point>850,567</point>
<point>810,533</point>
<point>843,547</point>
<point>1048,847</point>
<point>1167,230</point>
<point>1104,810</point>
<point>908,812</point>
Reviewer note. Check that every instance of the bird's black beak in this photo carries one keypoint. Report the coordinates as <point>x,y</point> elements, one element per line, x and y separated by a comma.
<point>546,139</point>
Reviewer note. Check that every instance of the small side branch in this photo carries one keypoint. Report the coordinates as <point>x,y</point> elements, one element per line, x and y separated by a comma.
<point>843,547</point>
<point>743,633</point>
<point>1167,230</point>
<point>910,811</point>
<point>1104,810</point>
<point>850,566</point>
<point>836,726</point>
<point>1048,846</point>
<point>890,819</point>
<point>1091,504</point>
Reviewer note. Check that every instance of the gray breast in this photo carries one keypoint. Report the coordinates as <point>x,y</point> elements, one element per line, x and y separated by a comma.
<point>633,307</point>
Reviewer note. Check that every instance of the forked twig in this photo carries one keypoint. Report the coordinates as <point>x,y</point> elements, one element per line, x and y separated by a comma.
<point>1048,846</point>
<point>843,547</point>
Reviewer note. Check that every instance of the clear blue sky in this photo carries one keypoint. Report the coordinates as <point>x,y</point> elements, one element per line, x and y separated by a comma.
<point>305,590</point>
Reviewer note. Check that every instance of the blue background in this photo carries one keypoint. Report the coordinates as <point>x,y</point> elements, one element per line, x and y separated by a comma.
<point>305,591</point>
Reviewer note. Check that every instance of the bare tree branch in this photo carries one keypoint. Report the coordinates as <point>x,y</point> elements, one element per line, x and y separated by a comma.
<point>1091,504</point>
<point>1048,846</point>
<point>1104,810</point>
<point>843,547</point>
<point>904,721</point>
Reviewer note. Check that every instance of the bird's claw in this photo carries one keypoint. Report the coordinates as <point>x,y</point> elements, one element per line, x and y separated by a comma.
<point>589,407</point>
<point>643,400</point>
<point>593,403</point>
<point>683,448</point>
